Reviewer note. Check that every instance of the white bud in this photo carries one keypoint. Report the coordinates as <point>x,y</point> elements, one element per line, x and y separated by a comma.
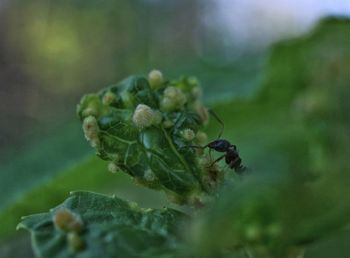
<point>173,99</point>
<point>68,221</point>
<point>134,206</point>
<point>171,92</point>
<point>90,111</point>
<point>193,81</point>
<point>157,117</point>
<point>155,79</point>
<point>188,134</point>
<point>149,175</point>
<point>90,124</point>
<point>91,130</point>
<point>201,111</point>
<point>201,137</point>
<point>94,141</point>
<point>75,242</point>
<point>143,116</point>
<point>108,98</point>
<point>167,105</point>
<point>197,92</point>
<point>113,168</point>
<point>114,157</point>
<point>168,123</point>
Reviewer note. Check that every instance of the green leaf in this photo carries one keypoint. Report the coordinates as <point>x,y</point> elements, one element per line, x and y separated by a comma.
<point>146,132</point>
<point>110,227</point>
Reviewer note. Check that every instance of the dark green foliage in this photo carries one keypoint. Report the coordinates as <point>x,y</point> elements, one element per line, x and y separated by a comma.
<point>298,192</point>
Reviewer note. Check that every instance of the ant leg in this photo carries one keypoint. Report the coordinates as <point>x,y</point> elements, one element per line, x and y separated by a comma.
<point>219,120</point>
<point>194,146</point>
<point>218,159</point>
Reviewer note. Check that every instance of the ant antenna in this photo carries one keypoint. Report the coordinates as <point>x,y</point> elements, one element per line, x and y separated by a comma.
<point>219,120</point>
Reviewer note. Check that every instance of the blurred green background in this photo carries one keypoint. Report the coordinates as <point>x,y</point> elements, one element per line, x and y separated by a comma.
<point>53,52</point>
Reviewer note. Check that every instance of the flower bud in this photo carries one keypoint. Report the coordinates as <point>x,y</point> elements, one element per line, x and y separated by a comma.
<point>187,134</point>
<point>113,168</point>
<point>149,175</point>
<point>90,111</point>
<point>108,98</point>
<point>157,117</point>
<point>168,123</point>
<point>201,111</point>
<point>201,138</point>
<point>91,130</point>
<point>197,92</point>
<point>173,99</point>
<point>155,79</point>
<point>193,81</point>
<point>143,116</point>
<point>67,221</point>
<point>75,242</point>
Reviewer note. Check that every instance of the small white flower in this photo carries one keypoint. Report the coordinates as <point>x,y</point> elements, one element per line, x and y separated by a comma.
<point>155,79</point>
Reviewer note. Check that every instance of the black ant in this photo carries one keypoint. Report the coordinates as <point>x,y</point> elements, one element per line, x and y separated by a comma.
<point>231,155</point>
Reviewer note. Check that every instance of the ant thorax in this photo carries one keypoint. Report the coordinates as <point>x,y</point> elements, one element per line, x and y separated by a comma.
<point>220,145</point>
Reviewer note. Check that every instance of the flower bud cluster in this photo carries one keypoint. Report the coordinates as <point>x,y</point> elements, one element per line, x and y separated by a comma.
<point>144,116</point>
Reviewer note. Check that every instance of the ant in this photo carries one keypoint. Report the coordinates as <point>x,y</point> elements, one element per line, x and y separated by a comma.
<point>231,155</point>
